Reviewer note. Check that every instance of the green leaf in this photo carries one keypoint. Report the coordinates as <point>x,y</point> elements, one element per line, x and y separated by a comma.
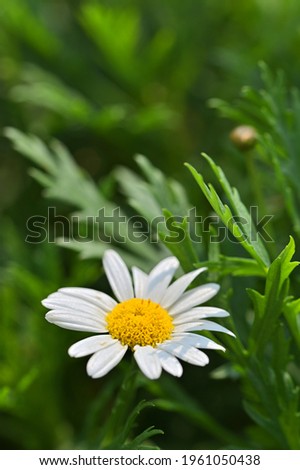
<point>60,174</point>
<point>90,249</point>
<point>176,237</point>
<point>101,23</point>
<point>285,184</point>
<point>230,265</point>
<point>123,441</point>
<point>44,90</point>
<point>236,217</point>
<point>272,399</point>
<point>137,192</point>
<point>141,440</point>
<point>155,191</point>
<point>269,306</point>
<point>262,420</point>
<point>161,201</point>
<point>274,111</point>
<point>6,398</point>
<point>65,181</point>
<point>291,309</point>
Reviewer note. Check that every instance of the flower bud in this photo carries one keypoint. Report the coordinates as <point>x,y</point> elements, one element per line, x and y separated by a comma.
<point>243,137</point>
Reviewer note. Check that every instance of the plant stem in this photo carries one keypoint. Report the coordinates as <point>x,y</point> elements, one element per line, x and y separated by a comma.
<point>122,405</point>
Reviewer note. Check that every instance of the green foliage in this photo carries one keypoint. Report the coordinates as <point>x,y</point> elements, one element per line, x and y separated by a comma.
<point>231,265</point>
<point>258,356</point>
<point>268,386</point>
<point>276,397</point>
<point>56,162</point>
<point>159,200</point>
<point>268,307</point>
<point>116,432</point>
<point>85,86</point>
<point>274,111</point>
<point>158,191</point>
<point>237,219</point>
<point>172,397</point>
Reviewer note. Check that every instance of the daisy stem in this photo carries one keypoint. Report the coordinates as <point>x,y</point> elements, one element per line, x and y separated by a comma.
<point>122,405</point>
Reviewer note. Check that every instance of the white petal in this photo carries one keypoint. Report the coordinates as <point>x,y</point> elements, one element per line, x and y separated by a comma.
<point>90,345</point>
<point>170,363</point>
<point>212,326</point>
<point>207,312</point>
<point>186,353</point>
<point>78,316</point>
<point>198,313</point>
<point>118,275</point>
<point>92,296</point>
<point>148,361</point>
<point>79,322</point>
<point>198,341</point>
<point>105,360</point>
<point>194,297</point>
<point>203,325</point>
<point>73,306</point>
<point>160,277</point>
<point>178,287</point>
<point>140,282</point>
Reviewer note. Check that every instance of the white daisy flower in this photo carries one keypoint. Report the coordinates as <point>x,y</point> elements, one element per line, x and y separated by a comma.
<point>154,319</point>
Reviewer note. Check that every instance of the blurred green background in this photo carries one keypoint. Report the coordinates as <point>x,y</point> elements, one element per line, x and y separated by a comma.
<point>111,79</point>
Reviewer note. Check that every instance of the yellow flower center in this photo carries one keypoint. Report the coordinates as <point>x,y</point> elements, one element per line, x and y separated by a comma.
<point>139,321</point>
